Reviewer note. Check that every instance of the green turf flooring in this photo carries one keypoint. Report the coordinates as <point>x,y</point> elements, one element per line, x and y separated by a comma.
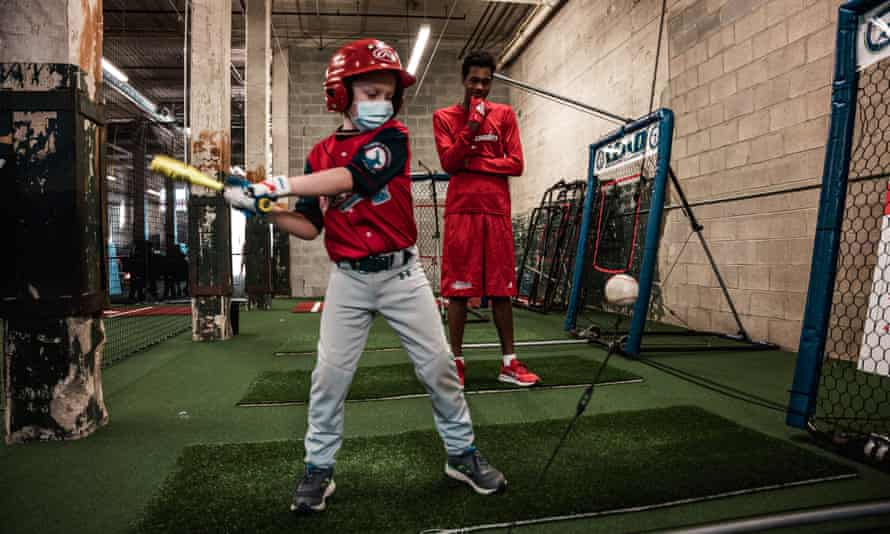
<point>528,326</point>
<point>180,393</point>
<point>388,381</point>
<point>395,484</point>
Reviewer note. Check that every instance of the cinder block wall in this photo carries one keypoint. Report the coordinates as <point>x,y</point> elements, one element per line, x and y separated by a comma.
<point>310,122</point>
<point>749,81</point>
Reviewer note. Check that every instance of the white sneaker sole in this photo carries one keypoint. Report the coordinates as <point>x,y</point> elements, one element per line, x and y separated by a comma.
<point>318,507</point>
<point>511,380</point>
<point>457,475</point>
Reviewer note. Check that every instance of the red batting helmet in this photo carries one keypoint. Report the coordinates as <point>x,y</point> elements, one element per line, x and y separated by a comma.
<point>360,57</point>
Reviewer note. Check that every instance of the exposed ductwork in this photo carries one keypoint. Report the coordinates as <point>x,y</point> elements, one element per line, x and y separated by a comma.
<point>527,31</point>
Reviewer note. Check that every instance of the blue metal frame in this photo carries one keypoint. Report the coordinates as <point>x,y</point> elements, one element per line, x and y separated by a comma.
<point>832,200</point>
<point>665,119</point>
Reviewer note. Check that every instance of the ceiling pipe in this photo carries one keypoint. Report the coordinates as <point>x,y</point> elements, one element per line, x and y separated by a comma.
<point>281,12</point>
<point>483,20</point>
<point>524,35</point>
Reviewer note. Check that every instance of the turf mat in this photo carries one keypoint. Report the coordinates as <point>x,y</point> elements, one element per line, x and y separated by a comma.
<point>396,484</point>
<point>387,381</point>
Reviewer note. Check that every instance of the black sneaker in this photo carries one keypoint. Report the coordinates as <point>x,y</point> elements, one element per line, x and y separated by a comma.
<point>471,467</point>
<point>316,485</point>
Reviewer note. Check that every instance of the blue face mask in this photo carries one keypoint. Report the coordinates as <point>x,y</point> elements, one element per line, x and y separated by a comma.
<point>370,114</point>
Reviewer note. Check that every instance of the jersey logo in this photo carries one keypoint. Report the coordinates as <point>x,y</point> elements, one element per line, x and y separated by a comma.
<point>381,196</point>
<point>486,137</point>
<point>376,157</point>
<point>345,201</point>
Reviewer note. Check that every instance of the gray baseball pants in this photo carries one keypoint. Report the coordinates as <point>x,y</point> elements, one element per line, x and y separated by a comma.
<point>402,294</point>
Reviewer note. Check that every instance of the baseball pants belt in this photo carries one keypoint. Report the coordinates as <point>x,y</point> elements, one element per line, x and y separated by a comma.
<point>379,262</point>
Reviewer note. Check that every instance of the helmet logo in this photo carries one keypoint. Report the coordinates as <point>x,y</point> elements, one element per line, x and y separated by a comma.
<point>385,54</point>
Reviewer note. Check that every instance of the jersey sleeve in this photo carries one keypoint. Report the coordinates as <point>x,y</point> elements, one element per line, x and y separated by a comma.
<point>512,164</point>
<point>378,161</point>
<point>453,148</point>
<point>309,206</point>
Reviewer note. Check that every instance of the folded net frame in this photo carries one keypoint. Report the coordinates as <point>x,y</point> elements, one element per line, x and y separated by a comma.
<point>545,262</point>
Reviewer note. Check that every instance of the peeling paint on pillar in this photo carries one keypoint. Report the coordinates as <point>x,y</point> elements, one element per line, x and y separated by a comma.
<point>54,379</point>
<point>85,29</point>
<point>36,76</point>
<point>209,241</point>
<point>259,256</point>
<point>210,318</point>
<point>211,154</point>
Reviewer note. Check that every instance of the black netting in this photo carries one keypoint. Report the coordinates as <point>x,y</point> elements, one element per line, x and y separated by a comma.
<point>429,212</point>
<point>147,236</point>
<point>617,234</point>
<point>853,395</point>
<point>546,262</point>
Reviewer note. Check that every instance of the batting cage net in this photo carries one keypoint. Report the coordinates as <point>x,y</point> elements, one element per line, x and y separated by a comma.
<point>621,227</point>
<point>545,262</point>
<point>147,235</point>
<point>429,192</point>
<point>842,381</point>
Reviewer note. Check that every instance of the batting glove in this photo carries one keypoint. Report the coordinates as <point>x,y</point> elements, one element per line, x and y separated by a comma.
<point>478,109</point>
<point>274,187</point>
<point>237,194</point>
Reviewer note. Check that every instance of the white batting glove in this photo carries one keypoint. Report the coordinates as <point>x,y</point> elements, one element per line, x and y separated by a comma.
<point>236,193</point>
<point>274,187</point>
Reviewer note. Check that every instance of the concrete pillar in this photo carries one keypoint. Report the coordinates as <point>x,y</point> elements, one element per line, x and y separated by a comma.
<point>54,288</point>
<point>280,163</point>
<point>257,154</point>
<point>210,95</point>
<point>140,251</point>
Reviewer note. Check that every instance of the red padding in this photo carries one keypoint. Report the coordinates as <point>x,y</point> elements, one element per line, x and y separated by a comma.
<point>309,306</point>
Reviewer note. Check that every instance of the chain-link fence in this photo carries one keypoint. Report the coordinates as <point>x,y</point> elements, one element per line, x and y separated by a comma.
<point>429,192</point>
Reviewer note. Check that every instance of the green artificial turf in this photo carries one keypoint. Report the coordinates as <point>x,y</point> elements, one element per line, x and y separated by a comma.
<point>395,483</point>
<point>388,381</point>
<point>527,326</point>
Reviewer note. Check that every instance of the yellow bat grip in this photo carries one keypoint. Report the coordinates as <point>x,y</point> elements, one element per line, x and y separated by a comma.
<point>264,205</point>
<point>178,170</point>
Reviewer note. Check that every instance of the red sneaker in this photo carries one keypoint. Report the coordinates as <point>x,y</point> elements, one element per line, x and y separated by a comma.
<point>459,363</point>
<point>517,373</point>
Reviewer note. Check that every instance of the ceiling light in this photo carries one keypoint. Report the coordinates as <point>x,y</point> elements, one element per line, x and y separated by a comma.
<point>114,71</point>
<point>423,35</point>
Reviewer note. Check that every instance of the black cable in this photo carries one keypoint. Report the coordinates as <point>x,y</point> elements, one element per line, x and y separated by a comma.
<point>583,401</point>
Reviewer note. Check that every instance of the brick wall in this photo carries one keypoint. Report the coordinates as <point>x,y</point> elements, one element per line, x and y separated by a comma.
<point>310,122</point>
<point>749,81</point>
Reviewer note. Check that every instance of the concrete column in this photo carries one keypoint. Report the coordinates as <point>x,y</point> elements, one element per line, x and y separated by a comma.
<point>257,154</point>
<point>280,162</point>
<point>51,165</point>
<point>140,251</point>
<point>210,95</point>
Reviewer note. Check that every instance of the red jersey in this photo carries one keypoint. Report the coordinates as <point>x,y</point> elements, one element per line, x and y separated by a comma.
<point>378,215</point>
<point>479,162</point>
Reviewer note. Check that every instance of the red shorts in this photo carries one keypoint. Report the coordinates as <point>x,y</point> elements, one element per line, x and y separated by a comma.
<point>477,256</point>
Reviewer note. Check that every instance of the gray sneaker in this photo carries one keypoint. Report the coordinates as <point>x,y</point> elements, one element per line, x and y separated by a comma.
<point>314,488</point>
<point>472,468</point>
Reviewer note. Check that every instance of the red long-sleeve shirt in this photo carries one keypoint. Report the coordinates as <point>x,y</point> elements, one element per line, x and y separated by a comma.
<point>479,162</point>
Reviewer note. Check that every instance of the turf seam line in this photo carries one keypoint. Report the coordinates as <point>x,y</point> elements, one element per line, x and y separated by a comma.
<point>422,395</point>
<point>493,345</point>
<point>644,508</point>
